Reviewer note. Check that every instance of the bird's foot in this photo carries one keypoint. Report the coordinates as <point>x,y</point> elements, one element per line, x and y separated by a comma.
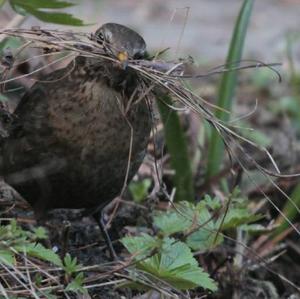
<point>99,219</point>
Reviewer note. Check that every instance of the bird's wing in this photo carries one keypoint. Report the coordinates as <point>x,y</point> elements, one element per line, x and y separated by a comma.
<point>41,88</point>
<point>23,146</point>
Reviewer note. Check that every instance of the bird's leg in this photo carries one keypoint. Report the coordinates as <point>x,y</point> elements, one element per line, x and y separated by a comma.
<point>65,238</point>
<point>98,216</point>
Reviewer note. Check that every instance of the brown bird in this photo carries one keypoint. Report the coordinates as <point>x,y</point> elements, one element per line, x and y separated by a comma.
<point>69,140</point>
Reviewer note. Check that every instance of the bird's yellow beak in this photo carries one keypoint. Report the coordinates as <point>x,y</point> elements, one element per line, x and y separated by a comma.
<point>123,58</point>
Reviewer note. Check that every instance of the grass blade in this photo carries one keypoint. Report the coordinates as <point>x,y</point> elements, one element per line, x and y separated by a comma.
<point>178,150</point>
<point>227,87</point>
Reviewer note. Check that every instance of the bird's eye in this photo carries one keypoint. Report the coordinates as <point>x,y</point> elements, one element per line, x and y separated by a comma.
<point>100,37</point>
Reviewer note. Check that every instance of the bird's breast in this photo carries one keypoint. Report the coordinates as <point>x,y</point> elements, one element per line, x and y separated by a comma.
<point>93,122</point>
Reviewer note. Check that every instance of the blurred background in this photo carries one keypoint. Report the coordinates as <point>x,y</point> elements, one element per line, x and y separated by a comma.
<point>208,28</point>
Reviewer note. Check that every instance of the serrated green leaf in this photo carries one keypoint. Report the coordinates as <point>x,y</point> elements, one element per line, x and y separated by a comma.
<point>7,257</point>
<point>174,263</point>
<point>171,222</point>
<point>37,4</point>
<point>187,216</point>
<point>70,264</point>
<point>22,241</point>
<point>182,218</point>
<point>212,203</point>
<point>236,217</point>
<point>40,233</point>
<point>141,246</point>
<point>76,285</point>
<point>206,238</point>
<point>39,251</point>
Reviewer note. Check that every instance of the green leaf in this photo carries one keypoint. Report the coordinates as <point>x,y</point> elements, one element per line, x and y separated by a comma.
<point>139,190</point>
<point>141,246</point>
<point>39,251</point>
<point>76,285</point>
<point>56,17</point>
<point>33,7</point>
<point>186,217</point>
<point>235,217</point>
<point>212,203</point>
<point>204,239</point>
<point>70,264</point>
<point>7,257</point>
<point>227,87</point>
<point>13,236</point>
<point>40,233</point>
<point>171,222</point>
<point>38,279</point>
<point>37,4</point>
<point>13,232</point>
<point>176,265</point>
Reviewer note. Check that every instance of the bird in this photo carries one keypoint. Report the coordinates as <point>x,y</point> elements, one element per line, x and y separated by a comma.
<point>71,144</point>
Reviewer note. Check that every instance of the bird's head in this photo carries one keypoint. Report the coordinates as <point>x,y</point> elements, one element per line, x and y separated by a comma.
<point>121,42</point>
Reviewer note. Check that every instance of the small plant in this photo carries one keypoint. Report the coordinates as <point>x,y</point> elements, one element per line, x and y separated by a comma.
<point>70,265</point>
<point>76,285</point>
<point>14,240</point>
<point>20,248</point>
<point>168,256</point>
<point>73,277</point>
<point>167,260</point>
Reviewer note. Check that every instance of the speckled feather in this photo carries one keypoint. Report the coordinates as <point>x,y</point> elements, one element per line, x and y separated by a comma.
<point>69,143</point>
